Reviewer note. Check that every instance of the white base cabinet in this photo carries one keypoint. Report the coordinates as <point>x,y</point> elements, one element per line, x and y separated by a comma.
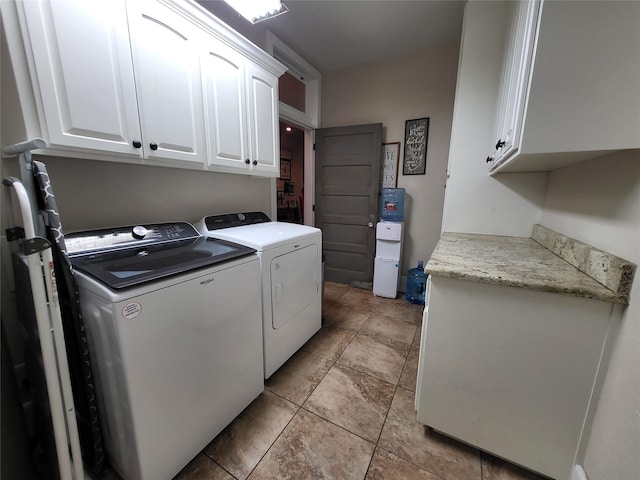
<point>158,82</point>
<point>512,371</point>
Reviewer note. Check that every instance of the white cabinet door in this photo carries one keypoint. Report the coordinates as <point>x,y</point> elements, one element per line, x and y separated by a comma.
<point>513,371</point>
<point>515,79</point>
<point>83,74</point>
<point>569,86</point>
<point>167,68</point>
<point>223,76</point>
<point>264,132</point>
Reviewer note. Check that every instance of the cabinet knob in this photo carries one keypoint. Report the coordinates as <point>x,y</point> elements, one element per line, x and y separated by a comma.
<point>500,144</point>
<point>489,159</point>
<point>153,146</point>
<point>137,144</point>
<point>247,161</point>
<point>255,162</point>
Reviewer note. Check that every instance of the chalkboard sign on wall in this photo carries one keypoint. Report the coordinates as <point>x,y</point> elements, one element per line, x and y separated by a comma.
<point>416,133</point>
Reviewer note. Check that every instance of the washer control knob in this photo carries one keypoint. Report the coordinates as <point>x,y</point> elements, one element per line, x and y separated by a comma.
<point>139,232</point>
<point>241,217</point>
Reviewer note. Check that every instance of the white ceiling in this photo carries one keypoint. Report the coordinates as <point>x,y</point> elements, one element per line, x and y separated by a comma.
<point>334,34</point>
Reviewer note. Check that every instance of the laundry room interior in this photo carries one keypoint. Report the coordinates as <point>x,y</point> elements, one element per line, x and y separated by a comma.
<point>329,177</point>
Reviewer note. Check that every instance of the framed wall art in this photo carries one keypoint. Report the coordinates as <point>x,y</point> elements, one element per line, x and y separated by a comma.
<point>285,169</point>
<point>390,160</point>
<point>290,188</point>
<point>416,134</point>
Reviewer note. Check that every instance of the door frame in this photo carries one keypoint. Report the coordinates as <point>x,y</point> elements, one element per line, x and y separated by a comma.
<point>309,177</point>
<point>306,121</point>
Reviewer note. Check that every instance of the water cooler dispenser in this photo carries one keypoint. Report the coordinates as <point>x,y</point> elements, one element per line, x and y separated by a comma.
<point>386,269</point>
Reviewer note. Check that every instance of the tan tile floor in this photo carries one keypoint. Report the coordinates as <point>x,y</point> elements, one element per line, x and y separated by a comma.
<point>342,408</point>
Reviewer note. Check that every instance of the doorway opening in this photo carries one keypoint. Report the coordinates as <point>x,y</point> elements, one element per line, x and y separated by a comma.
<point>294,185</point>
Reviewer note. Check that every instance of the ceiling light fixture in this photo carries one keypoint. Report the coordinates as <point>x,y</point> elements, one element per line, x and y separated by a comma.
<point>258,10</point>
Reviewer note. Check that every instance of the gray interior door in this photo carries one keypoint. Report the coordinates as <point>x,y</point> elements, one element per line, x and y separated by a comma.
<point>346,196</point>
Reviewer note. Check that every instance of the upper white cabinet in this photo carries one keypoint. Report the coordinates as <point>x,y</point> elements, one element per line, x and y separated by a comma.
<point>569,84</point>
<point>84,91</point>
<point>516,69</point>
<point>242,112</point>
<point>159,82</point>
<point>167,72</point>
<point>263,119</point>
<point>223,73</point>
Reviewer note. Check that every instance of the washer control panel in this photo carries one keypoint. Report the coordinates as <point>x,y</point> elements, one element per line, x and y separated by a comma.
<point>120,237</point>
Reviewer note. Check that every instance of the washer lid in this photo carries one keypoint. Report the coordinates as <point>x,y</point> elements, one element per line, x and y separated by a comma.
<point>133,266</point>
<point>265,236</point>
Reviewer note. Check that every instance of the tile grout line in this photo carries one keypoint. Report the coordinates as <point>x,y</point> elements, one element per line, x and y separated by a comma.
<point>394,453</point>
<point>276,439</point>
<point>300,407</point>
<point>334,363</point>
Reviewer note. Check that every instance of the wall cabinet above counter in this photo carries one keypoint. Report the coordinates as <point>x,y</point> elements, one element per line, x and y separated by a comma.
<point>153,82</point>
<point>569,85</point>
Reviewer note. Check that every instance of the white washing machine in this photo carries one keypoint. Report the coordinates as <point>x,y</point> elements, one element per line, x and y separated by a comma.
<point>174,324</point>
<point>291,266</point>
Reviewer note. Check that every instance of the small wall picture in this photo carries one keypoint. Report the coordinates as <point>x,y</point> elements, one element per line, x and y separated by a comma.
<point>290,188</point>
<point>293,203</point>
<point>416,133</point>
<point>285,169</point>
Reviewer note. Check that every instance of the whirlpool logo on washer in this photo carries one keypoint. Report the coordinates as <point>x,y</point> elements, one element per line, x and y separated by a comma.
<point>206,282</point>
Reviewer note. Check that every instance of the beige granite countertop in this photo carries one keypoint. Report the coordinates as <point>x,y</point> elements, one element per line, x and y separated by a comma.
<point>513,262</point>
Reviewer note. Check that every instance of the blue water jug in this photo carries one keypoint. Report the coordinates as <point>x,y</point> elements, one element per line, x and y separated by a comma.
<point>392,204</point>
<point>416,284</point>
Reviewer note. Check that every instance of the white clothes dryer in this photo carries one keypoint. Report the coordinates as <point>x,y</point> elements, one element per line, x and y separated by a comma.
<point>291,271</point>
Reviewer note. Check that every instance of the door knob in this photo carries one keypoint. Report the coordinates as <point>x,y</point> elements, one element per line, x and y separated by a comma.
<point>370,225</point>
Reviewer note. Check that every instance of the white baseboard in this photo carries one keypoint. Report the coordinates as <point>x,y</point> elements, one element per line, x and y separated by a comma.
<point>578,473</point>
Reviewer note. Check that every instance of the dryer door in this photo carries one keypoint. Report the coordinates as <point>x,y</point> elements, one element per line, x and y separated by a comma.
<point>294,283</point>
